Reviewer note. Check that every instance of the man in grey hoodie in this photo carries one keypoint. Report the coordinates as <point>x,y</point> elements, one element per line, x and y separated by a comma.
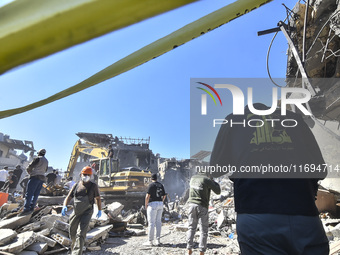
<point>36,169</point>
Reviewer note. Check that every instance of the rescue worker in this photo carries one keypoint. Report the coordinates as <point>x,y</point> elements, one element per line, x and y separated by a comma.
<point>36,169</point>
<point>154,200</point>
<point>84,194</point>
<point>18,172</point>
<point>201,185</point>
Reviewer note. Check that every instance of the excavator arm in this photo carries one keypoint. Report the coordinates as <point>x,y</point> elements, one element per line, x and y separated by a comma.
<point>84,147</point>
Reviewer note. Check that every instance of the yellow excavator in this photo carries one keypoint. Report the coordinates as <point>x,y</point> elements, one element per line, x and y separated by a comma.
<point>115,184</point>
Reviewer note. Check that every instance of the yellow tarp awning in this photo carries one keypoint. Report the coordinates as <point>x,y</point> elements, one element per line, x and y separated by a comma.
<point>155,49</point>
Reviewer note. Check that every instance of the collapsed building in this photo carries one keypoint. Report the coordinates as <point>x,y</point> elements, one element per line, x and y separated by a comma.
<point>15,152</point>
<point>131,152</point>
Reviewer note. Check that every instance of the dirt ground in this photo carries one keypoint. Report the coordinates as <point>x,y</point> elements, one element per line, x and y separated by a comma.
<point>173,243</point>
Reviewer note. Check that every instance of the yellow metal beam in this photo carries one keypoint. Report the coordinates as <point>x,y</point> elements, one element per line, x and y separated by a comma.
<point>32,29</point>
<point>153,50</point>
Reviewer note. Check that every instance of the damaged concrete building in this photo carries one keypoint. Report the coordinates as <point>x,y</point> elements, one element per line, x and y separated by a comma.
<point>15,152</point>
<point>131,152</point>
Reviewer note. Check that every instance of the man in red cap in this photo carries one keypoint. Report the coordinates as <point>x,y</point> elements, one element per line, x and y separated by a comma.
<point>84,194</point>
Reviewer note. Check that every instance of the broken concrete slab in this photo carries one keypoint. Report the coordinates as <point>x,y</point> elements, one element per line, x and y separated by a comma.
<point>44,232</point>
<point>15,222</point>
<point>138,232</point>
<point>50,219</point>
<point>48,200</point>
<point>38,247</point>
<point>28,253</point>
<point>94,248</point>
<point>42,212</point>
<point>33,226</point>
<point>21,242</point>
<point>115,209</point>
<point>63,240</point>
<point>7,235</point>
<point>97,233</point>
<point>61,225</point>
<point>50,242</point>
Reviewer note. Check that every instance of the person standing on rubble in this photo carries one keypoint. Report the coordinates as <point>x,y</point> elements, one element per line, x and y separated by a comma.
<point>276,211</point>
<point>36,169</point>
<point>18,172</point>
<point>3,176</point>
<point>201,185</point>
<point>84,193</point>
<point>154,200</point>
<point>11,183</point>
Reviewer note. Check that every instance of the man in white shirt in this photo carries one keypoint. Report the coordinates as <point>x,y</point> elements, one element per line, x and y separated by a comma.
<point>3,176</point>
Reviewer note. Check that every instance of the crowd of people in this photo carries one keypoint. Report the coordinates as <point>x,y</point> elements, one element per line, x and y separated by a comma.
<point>15,182</point>
<point>274,215</point>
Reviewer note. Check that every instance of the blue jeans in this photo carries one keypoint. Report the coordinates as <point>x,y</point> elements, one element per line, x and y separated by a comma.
<point>277,234</point>
<point>154,213</point>
<point>34,186</point>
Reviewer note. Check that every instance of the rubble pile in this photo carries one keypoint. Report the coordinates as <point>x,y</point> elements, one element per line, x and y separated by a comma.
<point>46,230</point>
<point>121,231</point>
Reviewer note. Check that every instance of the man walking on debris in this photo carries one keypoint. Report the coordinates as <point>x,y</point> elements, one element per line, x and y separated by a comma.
<point>36,169</point>
<point>84,194</point>
<point>199,196</point>
<point>154,206</point>
<point>276,211</point>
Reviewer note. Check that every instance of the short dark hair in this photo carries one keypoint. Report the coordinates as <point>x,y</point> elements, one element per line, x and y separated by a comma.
<point>154,177</point>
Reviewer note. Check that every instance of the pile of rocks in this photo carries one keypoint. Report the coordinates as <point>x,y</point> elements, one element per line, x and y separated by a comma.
<point>46,230</point>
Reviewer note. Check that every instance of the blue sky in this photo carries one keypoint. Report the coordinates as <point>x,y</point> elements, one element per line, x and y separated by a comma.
<point>150,100</point>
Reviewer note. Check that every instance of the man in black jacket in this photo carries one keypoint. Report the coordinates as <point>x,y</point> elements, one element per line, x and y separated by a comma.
<point>274,198</point>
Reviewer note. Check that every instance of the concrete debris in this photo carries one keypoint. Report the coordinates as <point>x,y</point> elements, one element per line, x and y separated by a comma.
<point>61,239</point>
<point>41,213</point>
<point>48,233</point>
<point>50,219</point>
<point>22,241</point>
<point>6,236</point>
<point>61,225</point>
<point>28,253</point>
<point>97,233</point>
<point>44,232</point>
<point>15,222</point>
<point>33,226</point>
<point>38,247</point>
<point>115,209</point>
<point>50,242</point>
